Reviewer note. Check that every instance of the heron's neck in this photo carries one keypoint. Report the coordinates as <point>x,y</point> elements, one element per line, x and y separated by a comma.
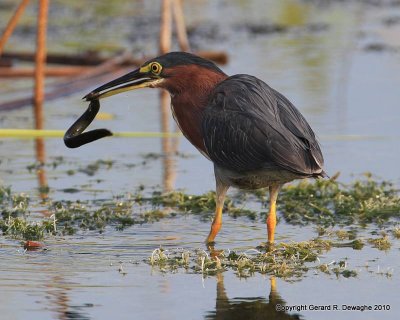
<point>189,97</point>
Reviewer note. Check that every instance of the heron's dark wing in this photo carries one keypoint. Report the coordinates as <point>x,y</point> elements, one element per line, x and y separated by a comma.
<point>294,121</point>
<point>249,126</point>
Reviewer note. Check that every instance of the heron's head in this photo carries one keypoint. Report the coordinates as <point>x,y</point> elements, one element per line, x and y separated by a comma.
<point>174,71</point>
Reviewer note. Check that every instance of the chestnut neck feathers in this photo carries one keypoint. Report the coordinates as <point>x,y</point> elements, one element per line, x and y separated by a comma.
<point>190,87</point>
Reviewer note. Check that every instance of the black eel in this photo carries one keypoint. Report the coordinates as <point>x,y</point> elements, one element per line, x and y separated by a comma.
<point>74,138</point>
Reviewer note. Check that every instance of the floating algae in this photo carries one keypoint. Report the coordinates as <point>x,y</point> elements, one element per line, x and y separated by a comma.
<point>373,203</point>
<point>322,202</point>
<point>289,261</point>
<point>328,202</point>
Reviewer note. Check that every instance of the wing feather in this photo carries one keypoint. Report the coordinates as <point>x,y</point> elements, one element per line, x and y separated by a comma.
<point>249,126</point>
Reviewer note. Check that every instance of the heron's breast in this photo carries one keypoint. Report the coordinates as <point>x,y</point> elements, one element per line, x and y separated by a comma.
<point>189,122</point>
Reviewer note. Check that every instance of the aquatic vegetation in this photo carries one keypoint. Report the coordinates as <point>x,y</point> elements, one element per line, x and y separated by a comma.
<point>381,243</point>
<point>20,228</point>
<point>339,268</point>
<point>196,204</point>
<point>12,204</point>
<point>184,202</point>
<point>357,244</point>
<point>72,216</point>
<point>328,202</point>
<point>166,262</point>
<point>156,156</point>
<point>92,168</point>
<point>322,202</point>
<point>14,222</point>
<point>53,164</point>
<point>286,260</point>
<point>396,232</point>
<point>341,236</point>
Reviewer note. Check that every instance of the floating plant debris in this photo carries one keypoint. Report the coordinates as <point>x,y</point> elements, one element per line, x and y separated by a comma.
<point>382,243</point>
<point>325,203</point>
<point>328,202</point>
<point>321,202</point>
<point>286,260</point>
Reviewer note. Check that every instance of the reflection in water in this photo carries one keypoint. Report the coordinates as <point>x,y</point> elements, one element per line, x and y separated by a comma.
<point>41,172</point>
<point>248,308</point>
<point>293,13</point>
<point>314,56</point>
<point>60,302</point>
<point>307,52</point>
<point>169,144</point>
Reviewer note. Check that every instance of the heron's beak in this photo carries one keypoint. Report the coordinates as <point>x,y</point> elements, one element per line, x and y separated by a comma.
<point>133,80</point>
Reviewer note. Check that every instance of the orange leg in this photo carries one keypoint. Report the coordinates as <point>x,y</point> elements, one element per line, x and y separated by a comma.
<point>271,220</point>
<point>274,298</point>
<point>273,284</point>
<point>219,201</point>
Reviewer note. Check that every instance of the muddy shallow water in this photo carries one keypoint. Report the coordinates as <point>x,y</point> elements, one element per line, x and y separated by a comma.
<point>338,63</point>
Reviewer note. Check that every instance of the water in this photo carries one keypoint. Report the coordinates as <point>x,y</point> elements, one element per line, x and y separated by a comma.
<point>348,94</point>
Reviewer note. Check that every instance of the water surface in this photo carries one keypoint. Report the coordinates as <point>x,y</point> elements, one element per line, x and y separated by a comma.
<point>319,61</point>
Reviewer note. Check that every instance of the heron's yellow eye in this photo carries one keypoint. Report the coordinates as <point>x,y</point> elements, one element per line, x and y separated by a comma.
<point>155,68</point>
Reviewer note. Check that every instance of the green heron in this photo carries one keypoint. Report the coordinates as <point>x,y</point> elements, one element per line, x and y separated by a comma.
<point>254,135</point>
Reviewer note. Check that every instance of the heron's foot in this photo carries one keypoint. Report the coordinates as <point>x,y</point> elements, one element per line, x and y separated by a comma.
<point>267,246</point>
<point>214,253</point>
<point>209,244</point>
